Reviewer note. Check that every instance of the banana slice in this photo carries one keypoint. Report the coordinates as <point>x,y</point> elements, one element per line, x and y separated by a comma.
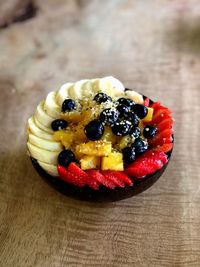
<point>87,90</point>
<point>50,169</point>
<point>40,154</point>
<point>136,97</point>
<point>111,86</point>
<point>37,131</point>
<point>76,91</point>
<point>42,117</point>
<point>51,107</point>
<point>45,144</point>
<point>63,93</point>
<point>42,127</point>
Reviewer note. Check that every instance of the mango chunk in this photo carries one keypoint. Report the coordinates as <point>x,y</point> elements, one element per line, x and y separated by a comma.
<point>73,116</point>
<point>149,115</point>
<point>125,141</point>
<point>109,135</point>
<point>114,161</point>
<point>90,162</point>
<point>94,148</point>
<point>65,137</point>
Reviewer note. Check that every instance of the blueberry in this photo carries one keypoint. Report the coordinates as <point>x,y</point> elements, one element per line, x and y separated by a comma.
<point>59,124</point>
<point>126,101</point>
<point>149,131</point>
<point>101,98</point>
<point>135,132</point>
<point>66,157</point>
<point>140,110</point>
<point>140,146</point>
<point>121,128</point>
<point>109,116</point>
<point>128,154</point>
<point>94,130</point>
<point>68,105</point>
<point>132,117</point>
<point>122,109</point>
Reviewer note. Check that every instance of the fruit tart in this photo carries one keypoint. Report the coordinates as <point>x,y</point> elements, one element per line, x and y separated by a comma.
<point>96,140</point>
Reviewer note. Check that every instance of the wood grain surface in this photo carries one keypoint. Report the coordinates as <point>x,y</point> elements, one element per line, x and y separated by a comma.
<point>153,47</point>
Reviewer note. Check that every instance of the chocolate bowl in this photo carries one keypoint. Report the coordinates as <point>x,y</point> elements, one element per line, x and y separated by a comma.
<point>103,194</point>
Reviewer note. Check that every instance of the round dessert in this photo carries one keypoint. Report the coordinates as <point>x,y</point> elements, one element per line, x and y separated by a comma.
<point>97,141</point>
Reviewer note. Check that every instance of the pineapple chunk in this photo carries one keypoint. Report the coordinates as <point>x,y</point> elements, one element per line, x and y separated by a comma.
<point>109,135</point>
<point>90,162</point>
<point>79,135</point>
<point>78,155</point>
<point>73,116</point>
<point>149,115</point>
<point>65,137</point>
<point>125,141</point>
<point>114,161</point>
<point>95,148</point>
<point>141,125</point>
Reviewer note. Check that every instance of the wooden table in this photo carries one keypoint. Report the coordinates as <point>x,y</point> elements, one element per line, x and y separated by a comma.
<point>152,46</point>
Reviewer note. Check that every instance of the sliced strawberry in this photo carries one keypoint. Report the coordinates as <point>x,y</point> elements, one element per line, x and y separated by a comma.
<point>146,102</point>
<point>148,163</point>
<point>165,124</point>
<point>162,138</point>
<point>74,169</point>
<point>93,183</point>
<point>159,116</point>
<point>123,177</point>
<point>164,148</point>
<point>110,175</point>
<point>101,179</point>
<point>71,177</point>
<point>158,106</point>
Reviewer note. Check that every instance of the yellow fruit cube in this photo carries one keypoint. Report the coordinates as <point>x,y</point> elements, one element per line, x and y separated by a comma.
<point>109,135</point>
<point>114,161</point>
<point>125,141</point>
<point>95,148</point>
<point>149,115</point>
<point>141,125</point>
<point>90,162</point>
<point>79,135</point>
<point>73,116</point>
<point>78,155</point>
<point>66,137</point>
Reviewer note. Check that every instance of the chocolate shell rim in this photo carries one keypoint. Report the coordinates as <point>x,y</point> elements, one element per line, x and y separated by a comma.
<point>103,194</point>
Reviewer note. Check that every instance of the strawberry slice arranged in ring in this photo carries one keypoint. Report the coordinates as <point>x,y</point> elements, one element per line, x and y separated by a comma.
<point>71,177</point>
<point>74,169</point>
<point>164,148</point>
<point>162,138</point>
<point>148,163</point>
<point>119,178</point>
<point>158,106</point>
<point>165,124</point>
<point>101,179</point>
<point>163,121</point>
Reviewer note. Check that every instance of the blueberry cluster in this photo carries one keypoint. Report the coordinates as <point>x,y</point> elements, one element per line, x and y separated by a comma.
<point>123,119</point>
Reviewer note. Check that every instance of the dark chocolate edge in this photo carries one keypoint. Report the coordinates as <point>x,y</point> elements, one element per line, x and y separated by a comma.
<point>103,194</point>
